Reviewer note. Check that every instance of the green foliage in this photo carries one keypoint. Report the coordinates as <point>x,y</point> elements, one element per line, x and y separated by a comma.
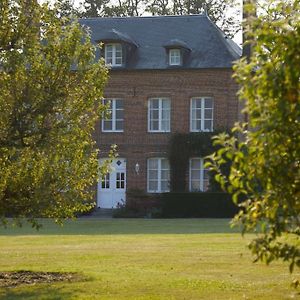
<point>197,205</point>
<point>266,158</point>
<point>50,88</point>
<point>181,148</point>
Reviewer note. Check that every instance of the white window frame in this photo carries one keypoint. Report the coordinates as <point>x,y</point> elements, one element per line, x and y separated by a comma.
<point>202,170</point>
<point>114,57</point>
<point>202,119</point>
<point>160,115</point>
<point>174,57</point>
<point>113,117</point>
<point>159,175</point>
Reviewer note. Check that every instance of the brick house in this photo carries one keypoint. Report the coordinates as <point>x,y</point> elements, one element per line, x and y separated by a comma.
<point>169,74</point>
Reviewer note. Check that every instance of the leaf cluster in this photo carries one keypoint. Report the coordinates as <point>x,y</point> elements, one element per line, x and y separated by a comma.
<point>50,92</point>
<point>265,158</point>
<point>182,147</point>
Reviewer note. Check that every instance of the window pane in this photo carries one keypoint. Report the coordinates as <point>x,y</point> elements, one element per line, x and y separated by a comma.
<point>194,125</point>
<point>208,125</point>
<point>119,103</point>
<point>194,111</point>
<point>195,164</point>
<point>108,48</point>
<point>166,104</point>
<point>165,164</point>
<point>154,114</point>
<point>198,103</point>
<point>153,163</point>
<point>154,125</point>
<point>119,114</point>
<point>153,185</point>
<point>165,175</point>
<point>107,125</point>
<point>174,57</point>
<point>165,125</point>
<point>194,102</point>
<point>195,175</point>
<point>198,125</point>
<point>118,61</point>
<point>195,186</point>
<point>154,103</point>
<point>118,47</point>
<point>152,174</point>
<point>164,186</point>
<point>208,114</point>
<point>208,103</point>
<point>198,114</point>
<point>166,114</point>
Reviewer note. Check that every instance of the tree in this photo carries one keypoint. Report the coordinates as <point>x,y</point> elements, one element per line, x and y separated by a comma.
<point>66,8</point>
<point>50,88</point>
<point>94,8</point>
<point>264,177</point>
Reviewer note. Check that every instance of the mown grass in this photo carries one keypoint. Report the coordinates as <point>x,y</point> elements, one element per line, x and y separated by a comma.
<point>141,259</point>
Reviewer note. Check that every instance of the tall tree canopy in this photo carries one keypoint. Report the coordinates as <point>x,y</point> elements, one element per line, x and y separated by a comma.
<point>50,87</point>
<point>265,156</point>
<point>223,13</point>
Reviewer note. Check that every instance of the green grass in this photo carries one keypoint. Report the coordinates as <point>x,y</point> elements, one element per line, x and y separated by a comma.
<point>141,259</point>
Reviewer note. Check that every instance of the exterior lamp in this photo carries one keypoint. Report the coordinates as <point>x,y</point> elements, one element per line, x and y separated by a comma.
<point>137,168</point>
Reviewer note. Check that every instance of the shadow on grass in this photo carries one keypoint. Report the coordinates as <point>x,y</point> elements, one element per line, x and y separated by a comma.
<point>33,292</point>
<point>89,226</point>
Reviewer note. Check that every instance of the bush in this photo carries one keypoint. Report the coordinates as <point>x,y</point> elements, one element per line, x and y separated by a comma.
<point>197,205</point>
<point>138,205</point>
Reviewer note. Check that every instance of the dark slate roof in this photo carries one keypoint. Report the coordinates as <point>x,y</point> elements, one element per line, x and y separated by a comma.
<point>208,45</point>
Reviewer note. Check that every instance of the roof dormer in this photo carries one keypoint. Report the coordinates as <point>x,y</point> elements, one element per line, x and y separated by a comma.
<point>177,52</point>
<point>118,47</point>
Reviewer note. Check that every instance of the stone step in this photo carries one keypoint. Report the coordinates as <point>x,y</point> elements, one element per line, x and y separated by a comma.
<point>101,213</point>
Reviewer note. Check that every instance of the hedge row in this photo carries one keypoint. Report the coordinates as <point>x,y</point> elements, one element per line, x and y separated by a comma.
<point>197,205</point>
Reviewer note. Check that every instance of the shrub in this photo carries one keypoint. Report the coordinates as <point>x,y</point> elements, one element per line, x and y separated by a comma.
<point>197,205</point>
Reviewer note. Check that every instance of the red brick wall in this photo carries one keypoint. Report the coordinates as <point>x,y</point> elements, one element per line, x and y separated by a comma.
<point>136,87</point>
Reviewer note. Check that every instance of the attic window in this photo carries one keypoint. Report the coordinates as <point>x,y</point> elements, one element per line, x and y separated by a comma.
<point>174,57</point>
<point>114,55</point>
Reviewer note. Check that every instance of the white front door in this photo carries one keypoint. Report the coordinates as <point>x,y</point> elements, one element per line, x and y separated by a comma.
<point>112,187</point>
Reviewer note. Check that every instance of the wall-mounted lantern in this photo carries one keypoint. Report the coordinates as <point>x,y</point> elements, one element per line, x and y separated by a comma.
<point>137,168</point>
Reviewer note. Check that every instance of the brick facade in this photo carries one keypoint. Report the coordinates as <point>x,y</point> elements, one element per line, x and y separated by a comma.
<point>136,144</point>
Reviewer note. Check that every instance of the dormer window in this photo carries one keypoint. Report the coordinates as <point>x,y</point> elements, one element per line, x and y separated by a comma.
<point>114,55</point>
<point>174,57</point>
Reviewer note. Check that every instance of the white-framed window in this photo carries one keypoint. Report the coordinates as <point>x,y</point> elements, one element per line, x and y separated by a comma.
<point>114,119</point>
<point>199,177</point>
<point>174,57</point>
<point>158,175</point>
<point>201,114</point>
<point>114,55</point>
<point>159,114</point>
<point>105,181</point>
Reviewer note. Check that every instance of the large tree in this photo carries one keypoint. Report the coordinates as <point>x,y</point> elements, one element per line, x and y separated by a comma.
<point>264,153</point>
<point>50,88</point>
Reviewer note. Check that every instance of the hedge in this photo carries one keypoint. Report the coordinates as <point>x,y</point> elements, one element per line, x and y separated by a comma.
<point>197,205</point>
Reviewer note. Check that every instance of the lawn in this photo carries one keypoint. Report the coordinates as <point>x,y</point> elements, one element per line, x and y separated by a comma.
<point>141,259</point>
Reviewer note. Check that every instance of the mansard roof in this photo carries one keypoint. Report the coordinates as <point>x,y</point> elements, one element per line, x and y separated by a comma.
<point>208,45</point>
